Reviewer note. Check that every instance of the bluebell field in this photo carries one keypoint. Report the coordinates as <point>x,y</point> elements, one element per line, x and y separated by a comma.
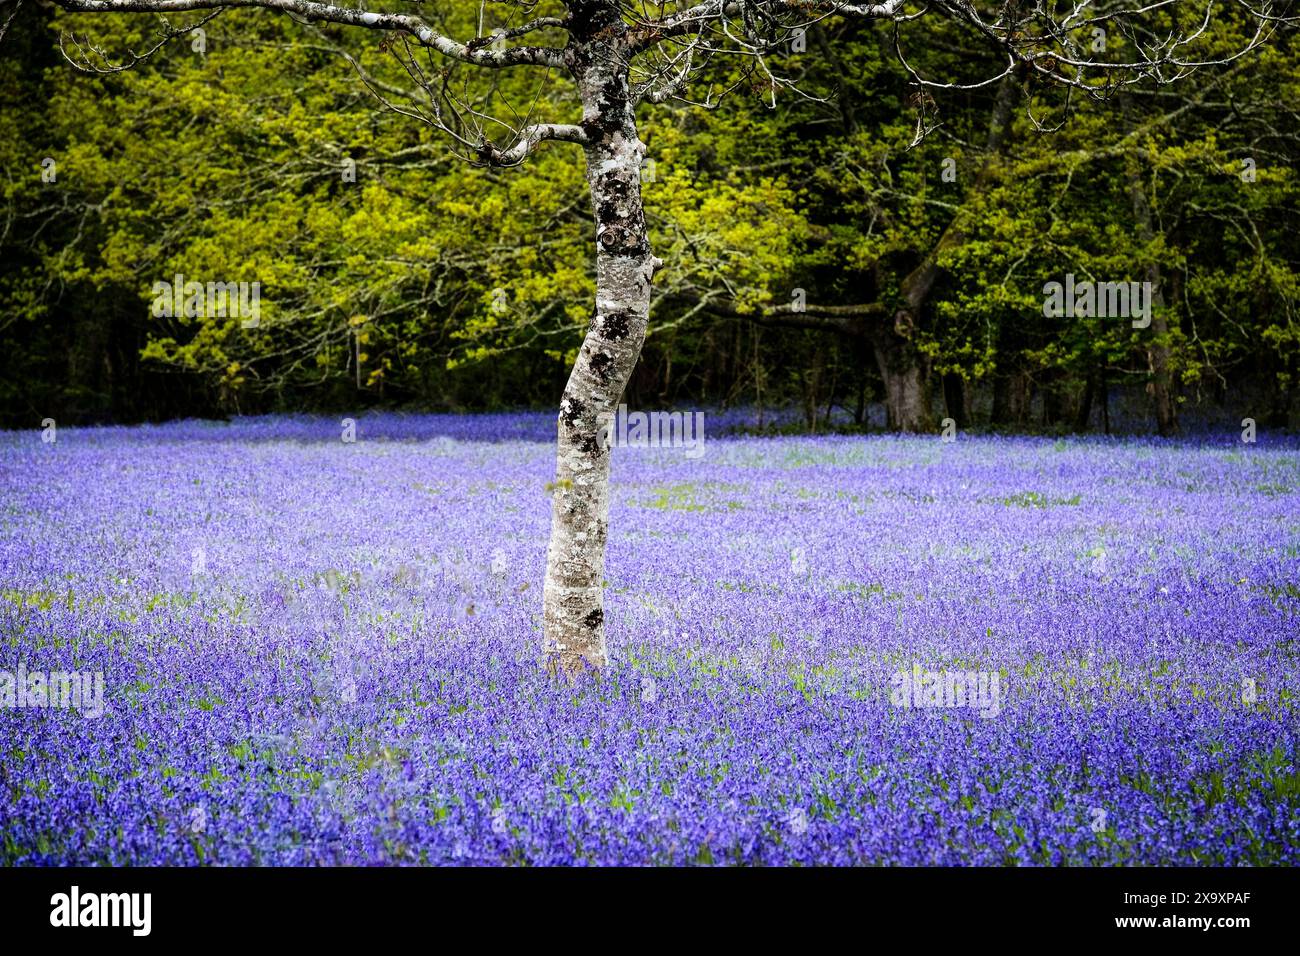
<point>325,652</point>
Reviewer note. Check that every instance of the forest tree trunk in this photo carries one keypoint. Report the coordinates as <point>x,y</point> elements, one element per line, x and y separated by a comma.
<point>956,399</point>
<point>906,374</point>
<point>1012,398</point>
<point>1083,414</point>
<point>573,598</point>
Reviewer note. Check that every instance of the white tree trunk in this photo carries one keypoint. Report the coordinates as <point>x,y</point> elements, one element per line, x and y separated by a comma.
<point>573,598</point>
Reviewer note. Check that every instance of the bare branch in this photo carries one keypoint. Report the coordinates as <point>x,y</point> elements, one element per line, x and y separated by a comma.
<point>479,52</point>
<point>528,139</point>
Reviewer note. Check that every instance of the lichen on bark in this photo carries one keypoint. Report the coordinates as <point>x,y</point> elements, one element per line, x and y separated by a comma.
<point>573,597</point>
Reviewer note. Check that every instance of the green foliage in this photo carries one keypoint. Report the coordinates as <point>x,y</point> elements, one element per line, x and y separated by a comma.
<point>430,282</point>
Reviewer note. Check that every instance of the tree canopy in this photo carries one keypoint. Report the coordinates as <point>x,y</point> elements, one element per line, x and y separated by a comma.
<point>258,148</point>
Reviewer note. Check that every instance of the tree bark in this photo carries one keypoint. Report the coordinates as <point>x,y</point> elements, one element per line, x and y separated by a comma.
<point>812,390</point>
<point>1053,401</point>
<point>956,399</point>
<point>1012,397</point>
<point>1083,414</point>
<point>573,598</point>
<point>906,374</point>
<point>907,398</point>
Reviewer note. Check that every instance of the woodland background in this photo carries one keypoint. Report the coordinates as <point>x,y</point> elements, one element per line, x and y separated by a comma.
<point>429,283</point>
